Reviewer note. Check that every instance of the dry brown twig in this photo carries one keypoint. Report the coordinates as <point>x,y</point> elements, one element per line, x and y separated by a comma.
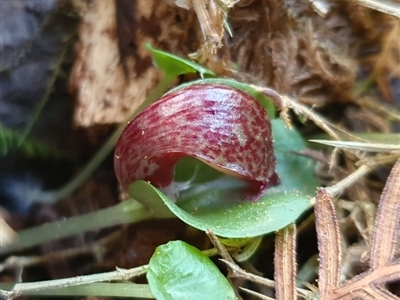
<point>210,19</point>
<point>285,252</point>
<point>212,15</point>
<point>97,249</point>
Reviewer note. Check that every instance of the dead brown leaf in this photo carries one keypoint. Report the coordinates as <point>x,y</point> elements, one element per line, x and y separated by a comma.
<point>384,262</point>
<point>285,263</point>
<point>328,243</point>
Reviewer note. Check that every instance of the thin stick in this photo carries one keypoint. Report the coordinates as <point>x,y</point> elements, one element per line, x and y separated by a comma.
<point>118,275</point>
<point>339,187</point>
<point>97,249</point>
<point>317,119</point>
<point>62,285</point>
<point>240,273</point>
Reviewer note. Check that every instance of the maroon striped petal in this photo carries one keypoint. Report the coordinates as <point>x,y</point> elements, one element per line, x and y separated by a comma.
<point>222,126</point>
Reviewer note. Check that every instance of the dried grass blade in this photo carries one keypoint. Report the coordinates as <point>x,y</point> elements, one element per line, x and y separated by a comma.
<point>367,147</point>
<point>328,243</point>
<point>285,263</point>
<point>387,221</point>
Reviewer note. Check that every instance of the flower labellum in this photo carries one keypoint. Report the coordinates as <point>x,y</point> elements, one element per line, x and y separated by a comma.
<point>217,124</point>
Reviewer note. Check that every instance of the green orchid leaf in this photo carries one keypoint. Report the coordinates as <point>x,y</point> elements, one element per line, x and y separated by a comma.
<point>219,204</point>
<point>173,65</point>
<point>180,271</point>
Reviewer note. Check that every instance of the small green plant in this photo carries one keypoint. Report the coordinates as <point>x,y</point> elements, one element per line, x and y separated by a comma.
<point>205,204</point>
